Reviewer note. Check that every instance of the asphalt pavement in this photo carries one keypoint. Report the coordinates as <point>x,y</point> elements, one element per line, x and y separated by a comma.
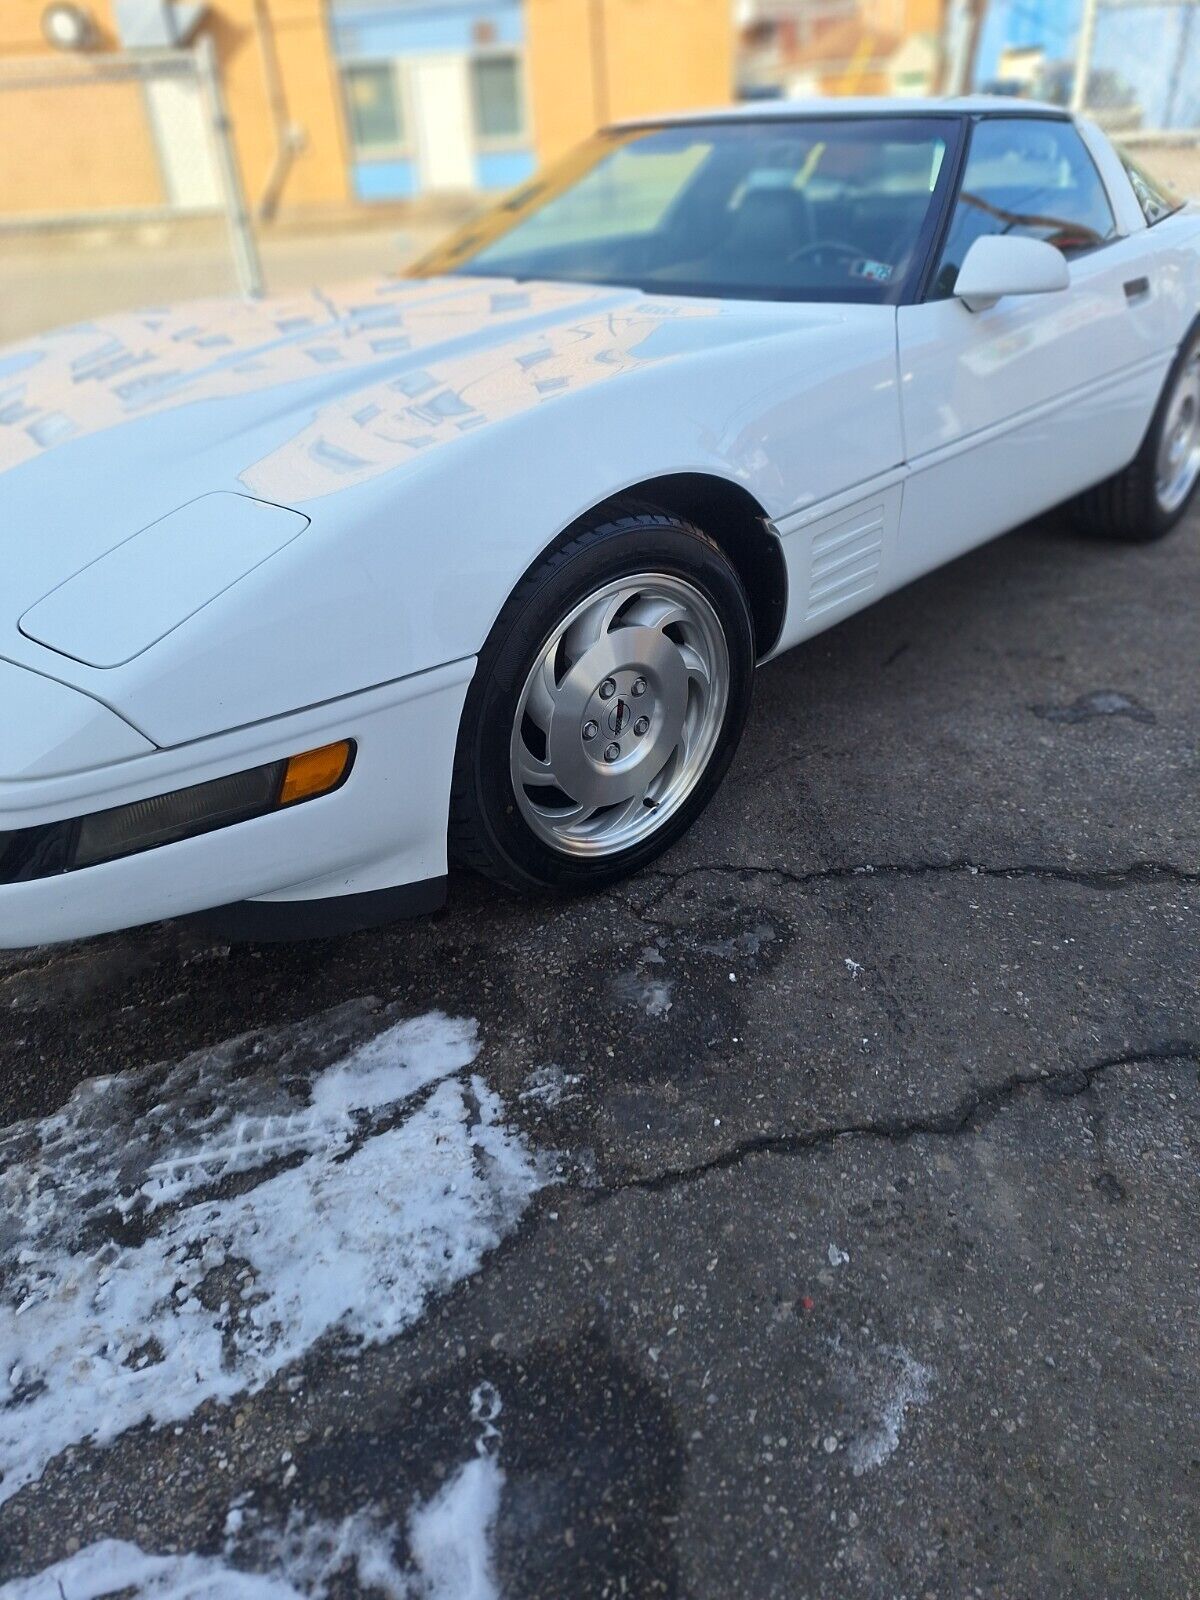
<point>860,1239</point>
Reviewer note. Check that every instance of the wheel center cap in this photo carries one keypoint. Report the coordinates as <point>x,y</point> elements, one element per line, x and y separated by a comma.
<point>620,717</point>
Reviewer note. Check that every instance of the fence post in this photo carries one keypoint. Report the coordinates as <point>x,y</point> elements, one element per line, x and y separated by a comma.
<point>1083,57</point>
<point>241,234</point>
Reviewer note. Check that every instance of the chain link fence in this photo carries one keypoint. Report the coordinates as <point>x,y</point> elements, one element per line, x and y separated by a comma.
<point>1137,72</point>
<point>120,140</point>
<point>1132,65</point>
<point>1137,67</point>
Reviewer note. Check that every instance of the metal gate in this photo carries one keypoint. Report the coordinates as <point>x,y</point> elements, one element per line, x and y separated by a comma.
<point>121,138</point>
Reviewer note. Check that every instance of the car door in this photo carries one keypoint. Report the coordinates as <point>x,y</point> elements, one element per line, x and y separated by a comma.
<point>1012,410</point>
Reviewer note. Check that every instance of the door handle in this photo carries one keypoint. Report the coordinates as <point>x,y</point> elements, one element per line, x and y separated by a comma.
<point>1137,289</point>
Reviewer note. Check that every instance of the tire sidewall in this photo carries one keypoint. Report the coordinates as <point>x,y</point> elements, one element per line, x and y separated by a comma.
<point>1160,520</point>
<point>648,544</point>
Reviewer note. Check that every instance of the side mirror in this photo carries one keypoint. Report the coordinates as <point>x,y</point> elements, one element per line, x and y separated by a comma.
<point>1000,264</point>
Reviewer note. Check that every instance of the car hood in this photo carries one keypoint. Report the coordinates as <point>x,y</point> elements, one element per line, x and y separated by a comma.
<point>216,514</point>
<point>109,426</point>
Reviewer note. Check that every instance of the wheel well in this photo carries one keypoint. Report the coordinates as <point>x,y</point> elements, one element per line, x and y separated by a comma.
<point>734,518</point>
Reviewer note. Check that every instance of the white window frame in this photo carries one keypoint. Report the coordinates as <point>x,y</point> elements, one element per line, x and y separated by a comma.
<point>404,150</point>
<point>488,143</point>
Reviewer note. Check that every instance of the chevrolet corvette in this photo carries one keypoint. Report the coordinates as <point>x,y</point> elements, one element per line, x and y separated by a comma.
<point>310,597</point>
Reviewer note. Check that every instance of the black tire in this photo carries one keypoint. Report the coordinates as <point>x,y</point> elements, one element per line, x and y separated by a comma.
<point>487,831</point>
<point>1126,508</point>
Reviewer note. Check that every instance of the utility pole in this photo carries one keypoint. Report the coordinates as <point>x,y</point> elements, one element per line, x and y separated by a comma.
<point>1083,57</point>
<point>1177,71</point>
<point>961,33</point>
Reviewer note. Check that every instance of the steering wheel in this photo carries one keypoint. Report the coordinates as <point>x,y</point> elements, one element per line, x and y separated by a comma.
<point>820,246</point>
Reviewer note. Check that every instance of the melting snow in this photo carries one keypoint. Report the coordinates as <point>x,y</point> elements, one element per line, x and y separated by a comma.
<point>550,1086</point>
<point>181,1234</point>
<point>114,1567</point>
<point>449,1540</point>
<point>652,995</point>
<point>890,1383</point>
<point>450,1535</point>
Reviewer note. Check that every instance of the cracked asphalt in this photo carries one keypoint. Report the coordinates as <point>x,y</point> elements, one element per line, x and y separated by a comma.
<point>871,1263</point>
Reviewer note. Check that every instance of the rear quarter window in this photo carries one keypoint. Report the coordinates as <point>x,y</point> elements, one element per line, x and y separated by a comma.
<point>1157,200</point>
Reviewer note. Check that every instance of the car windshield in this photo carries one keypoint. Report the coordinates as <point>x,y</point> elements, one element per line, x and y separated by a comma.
<point>833,209</point>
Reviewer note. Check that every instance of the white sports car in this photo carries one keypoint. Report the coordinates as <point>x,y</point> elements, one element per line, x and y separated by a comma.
<point>306,597</point>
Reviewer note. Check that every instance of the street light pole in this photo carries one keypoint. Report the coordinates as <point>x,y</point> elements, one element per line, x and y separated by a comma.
<point>960,45</point>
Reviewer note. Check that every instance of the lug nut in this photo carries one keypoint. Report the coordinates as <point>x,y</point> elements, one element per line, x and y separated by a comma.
<point>612,752</point>
<point>641,725</point>
<point>607,689</point>
<point>590,730</point>
<point>639,686</point>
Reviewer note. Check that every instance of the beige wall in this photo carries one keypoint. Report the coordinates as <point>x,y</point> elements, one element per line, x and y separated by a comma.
<point>247,33</point>
<point>21,26</point>
<point>595,61</point>
<point>77,146</point>
<point>90,147</point>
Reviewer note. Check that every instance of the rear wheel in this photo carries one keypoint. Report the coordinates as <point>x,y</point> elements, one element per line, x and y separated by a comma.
<point>1152,494</point>
<point>606,707</point>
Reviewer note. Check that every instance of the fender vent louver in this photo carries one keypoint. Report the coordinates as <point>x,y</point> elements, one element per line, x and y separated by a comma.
<point>845,561</point>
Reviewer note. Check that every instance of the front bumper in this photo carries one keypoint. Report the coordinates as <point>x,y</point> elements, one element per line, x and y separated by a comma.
<point>385,827</point>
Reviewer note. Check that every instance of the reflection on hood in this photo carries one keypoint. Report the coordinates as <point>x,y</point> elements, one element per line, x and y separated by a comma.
<point>407,364</point>
<point>387,423</point>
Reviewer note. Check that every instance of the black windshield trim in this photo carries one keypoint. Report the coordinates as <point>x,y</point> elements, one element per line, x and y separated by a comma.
<point>933,114</point>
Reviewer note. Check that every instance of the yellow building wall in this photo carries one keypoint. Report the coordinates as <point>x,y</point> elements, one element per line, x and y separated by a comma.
<point>84,145</point>
<point>21,27</point>
<point>256,39</point>
<point>590,62</point>
<point>88,146</point>
<point>75,146</point>
<point>902,18</point>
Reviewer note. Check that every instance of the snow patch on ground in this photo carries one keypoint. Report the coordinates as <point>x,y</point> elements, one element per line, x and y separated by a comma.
<point>747,943</point>
<point>550,1086</point>
<point>651,994</point>
<point>181,1234</point>
<point>888,1382</point>
<point>449,1542</point>
<point>450,1536</point>
<point>116,1567</point>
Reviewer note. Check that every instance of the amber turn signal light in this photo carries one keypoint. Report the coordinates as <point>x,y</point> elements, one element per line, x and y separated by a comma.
<point>315,772</point>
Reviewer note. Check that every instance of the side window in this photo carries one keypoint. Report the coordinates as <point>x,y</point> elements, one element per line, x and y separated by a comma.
<point>1156,199</point>
<point>1027,176</point>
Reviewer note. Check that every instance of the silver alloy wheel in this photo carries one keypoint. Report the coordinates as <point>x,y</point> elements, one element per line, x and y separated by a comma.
<point>1178,464</point>
<point>620,714</point>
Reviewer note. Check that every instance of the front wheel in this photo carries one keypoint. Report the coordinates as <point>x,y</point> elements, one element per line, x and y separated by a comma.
<point>606,707</point>
<point>1152,494</point>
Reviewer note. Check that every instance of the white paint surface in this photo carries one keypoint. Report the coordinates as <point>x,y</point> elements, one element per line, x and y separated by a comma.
<point>440,95</point>
<point>184,143</point>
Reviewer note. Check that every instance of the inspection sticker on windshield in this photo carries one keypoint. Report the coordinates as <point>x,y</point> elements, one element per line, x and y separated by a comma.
<point>873,271</point>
